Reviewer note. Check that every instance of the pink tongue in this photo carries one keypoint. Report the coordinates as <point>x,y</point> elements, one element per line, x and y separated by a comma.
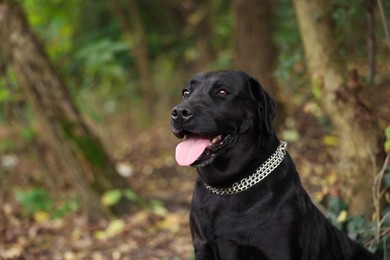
<point>190,149</point>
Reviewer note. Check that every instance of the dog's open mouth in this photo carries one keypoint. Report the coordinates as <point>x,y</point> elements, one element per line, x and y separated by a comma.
<point>196,150</point>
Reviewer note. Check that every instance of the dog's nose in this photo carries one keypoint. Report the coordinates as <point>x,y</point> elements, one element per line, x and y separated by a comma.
<point>181,114</point>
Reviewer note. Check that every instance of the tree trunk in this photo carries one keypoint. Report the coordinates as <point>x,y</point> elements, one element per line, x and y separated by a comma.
<point>91,169</point>
<point>254,50</point>
<point>360,148</point>
<point>134,33</point>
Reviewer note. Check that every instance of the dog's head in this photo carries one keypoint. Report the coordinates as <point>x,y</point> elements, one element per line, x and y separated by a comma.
<point>222,114</point>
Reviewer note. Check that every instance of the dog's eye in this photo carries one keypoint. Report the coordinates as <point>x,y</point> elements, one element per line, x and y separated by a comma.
<point>185,93</point>
<point>223,93</point>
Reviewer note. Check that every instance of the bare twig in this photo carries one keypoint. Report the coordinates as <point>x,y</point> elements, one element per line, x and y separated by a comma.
<point>384,232</point>
<point>377,193</point>
<point>384,218</point>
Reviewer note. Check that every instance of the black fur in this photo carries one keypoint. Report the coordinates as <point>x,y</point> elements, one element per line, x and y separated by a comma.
<point>275,219</point>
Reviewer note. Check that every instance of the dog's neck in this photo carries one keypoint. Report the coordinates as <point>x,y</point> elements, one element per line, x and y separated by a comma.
<point>223,173</point>
<point>261,172</point>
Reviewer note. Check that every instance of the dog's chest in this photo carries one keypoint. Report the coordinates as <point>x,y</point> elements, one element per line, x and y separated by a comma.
<point>242,218</point>
<point>241,226</point>
<point>251,232</point>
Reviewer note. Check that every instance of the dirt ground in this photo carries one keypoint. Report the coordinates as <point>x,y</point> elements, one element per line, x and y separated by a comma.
<point>160,229</point>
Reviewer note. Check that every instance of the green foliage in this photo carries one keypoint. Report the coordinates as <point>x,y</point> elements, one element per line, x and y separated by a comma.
<point>357,227</point>
<point>39,200</point>
<point>55,21</point>
<point>112,197</point>
<point>130,195</point>
<point>99,58</point>
<point>91,149</point>
<point>85,38</point>
<point>223,61</point>
<point>4,94</point>
<point>386,178</point>
<point>7,144</point>
<point>70,205</point>
<point>34,200</point>
<point>286,36</point>
<point>28,134</point>
<point>336,205</point>
<point>105,73</point>
<point>351,29</point>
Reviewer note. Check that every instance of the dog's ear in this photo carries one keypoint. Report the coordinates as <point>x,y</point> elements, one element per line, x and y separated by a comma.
<point>265,103</point>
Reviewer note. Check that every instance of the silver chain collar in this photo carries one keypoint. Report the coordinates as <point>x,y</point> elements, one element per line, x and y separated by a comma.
<point>263,171</point>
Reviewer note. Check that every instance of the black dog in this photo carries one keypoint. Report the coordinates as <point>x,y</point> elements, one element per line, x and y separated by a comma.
<point>248,202</point>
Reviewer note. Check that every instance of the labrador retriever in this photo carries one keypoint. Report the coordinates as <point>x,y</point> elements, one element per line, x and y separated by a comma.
<point>248,201</point>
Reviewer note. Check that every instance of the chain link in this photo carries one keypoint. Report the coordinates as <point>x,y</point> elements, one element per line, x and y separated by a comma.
<point>263,171</point>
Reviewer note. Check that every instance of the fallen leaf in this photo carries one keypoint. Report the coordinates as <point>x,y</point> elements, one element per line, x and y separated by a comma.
<point>342,217</point>
<point>170,223</point>
<point>111,197</point>
<point>331,178</point>
<point>114,228</point>
<point>41,216</point>
<point>330,140</point>
<point>13,252</point>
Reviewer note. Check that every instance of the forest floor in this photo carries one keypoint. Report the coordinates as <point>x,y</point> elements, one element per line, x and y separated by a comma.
<point>158,227</point>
